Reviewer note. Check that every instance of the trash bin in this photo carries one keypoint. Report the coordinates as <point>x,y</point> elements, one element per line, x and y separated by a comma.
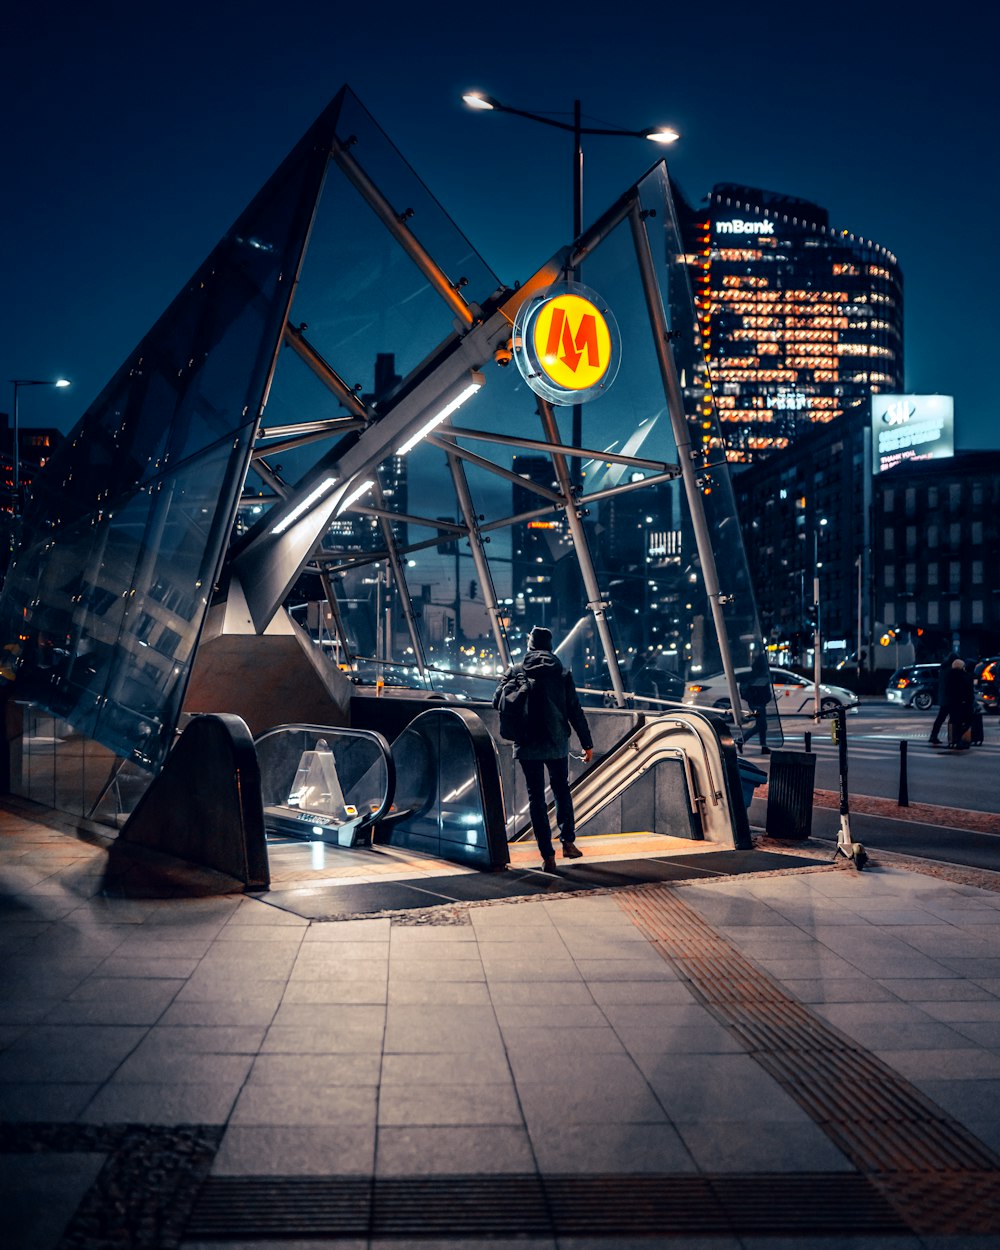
<point>790,794</point>
<point>750,778</point>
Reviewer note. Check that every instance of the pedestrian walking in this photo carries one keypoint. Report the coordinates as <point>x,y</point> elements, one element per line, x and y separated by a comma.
<point>960,697</point>
<point>942,713</point>
<point>553,710</point>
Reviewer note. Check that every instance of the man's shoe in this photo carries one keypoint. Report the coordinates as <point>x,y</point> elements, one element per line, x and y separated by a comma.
<point>765,750</point>
<point>933,742</point>
<point>571,851</point>
<point>549,865</point>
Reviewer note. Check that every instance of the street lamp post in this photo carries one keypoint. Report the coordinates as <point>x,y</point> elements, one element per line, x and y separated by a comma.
<point>658,134</point>
<point>818,627</point>
<point>17,383</point>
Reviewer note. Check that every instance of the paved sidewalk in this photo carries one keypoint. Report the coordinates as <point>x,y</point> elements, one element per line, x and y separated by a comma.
<point>798,1058</point>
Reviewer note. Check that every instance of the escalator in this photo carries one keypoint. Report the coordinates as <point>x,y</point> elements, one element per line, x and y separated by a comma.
<point>675,773</point>
<point>447,789</point>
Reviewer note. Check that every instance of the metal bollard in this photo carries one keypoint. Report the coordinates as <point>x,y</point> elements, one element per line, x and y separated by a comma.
<point>904,790</point>
<point>808,740</point>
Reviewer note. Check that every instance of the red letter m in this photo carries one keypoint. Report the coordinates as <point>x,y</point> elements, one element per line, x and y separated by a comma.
<point>569,348</point>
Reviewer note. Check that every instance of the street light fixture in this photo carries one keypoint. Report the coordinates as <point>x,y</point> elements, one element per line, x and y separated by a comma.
<point>17,383</point>
<point>482,102</point>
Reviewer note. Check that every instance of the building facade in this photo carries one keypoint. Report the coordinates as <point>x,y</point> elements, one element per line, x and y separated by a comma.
<point>800,322</point>
<point>936,531</point>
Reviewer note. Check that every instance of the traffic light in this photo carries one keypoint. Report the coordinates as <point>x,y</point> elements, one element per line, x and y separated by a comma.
<point>446,538</point>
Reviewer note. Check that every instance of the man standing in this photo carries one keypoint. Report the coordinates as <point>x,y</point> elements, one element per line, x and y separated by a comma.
<point>553,708</point>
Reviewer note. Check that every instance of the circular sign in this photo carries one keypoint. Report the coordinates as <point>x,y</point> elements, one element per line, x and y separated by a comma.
<point>566,344</point>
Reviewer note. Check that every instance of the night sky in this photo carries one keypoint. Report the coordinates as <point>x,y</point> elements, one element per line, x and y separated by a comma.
<point>134,134</point>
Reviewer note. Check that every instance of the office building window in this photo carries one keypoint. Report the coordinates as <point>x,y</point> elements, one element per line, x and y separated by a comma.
<point>976,533</point>
<point>888,499</point>
<point>954,614</point>
<point>977,572</point>
<point>955,533</point>
<point>955,495</point>
<point>890,575</point>
<point>977,611</point>
<point>932,612</point>
<point>932,573</point>
<point>932,536</point>
<point>888,538</point>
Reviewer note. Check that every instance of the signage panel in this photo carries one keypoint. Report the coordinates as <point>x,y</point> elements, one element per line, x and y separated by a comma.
<point>911,427</point>
<point>567,345</point>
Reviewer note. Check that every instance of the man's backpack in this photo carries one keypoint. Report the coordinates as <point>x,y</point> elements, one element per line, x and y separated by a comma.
<point>512,700</point>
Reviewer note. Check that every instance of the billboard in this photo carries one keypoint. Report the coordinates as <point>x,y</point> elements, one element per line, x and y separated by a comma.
<point>911,427</point>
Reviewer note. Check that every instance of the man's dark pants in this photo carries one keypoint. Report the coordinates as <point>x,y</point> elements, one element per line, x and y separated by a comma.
<point>534,780</point>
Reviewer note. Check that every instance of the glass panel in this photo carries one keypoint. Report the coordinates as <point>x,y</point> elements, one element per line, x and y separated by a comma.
<point>123,536</point>
<point>439,807</point>
<point>322,783</point>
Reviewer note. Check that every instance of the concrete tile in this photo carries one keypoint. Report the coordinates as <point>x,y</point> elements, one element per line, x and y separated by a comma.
<point>559,1102</point>
<point>349,1038</point>
<point>437,1028</point>
<point>219,1015</point>
<point>985,1010</point>
<point>297,1150</point>
<point>162,1104</point>
<point>279,936</point>
<point>337,1017</point>
<point>729,1087</point>
<point>376,930</point>
<point>982,1032</point>
<point>446,1068</point>
<point>647,967</point>
<point>99,1000</point>
<point>966,1099</point>
<point>328,990</point>
<point>326,965</point>
<point>206,1039</point>
<point>257,912</point>
<point>573,1064</point>
<point>39,1194</point>
<point>305,1103</point>
<point>920,990</point>
<point>444,993</point>
<point>410,968</point>
<point>156,1067</point>
<point>881,1036</point>
<point>620,1149</point>
<point>554,1015</point>
<point>342,1069</point>
<point>967,1063</point>
<point>218,988</point>
<point>670,990</point>
<point>511,993</point>
<point>695,1039</point>
<point>406,938</point>
<point>522,967</point>
<point>66,1053</point>
<point>769,1146</point>
<point>416,1150</point>
<point>840,990</point>
<point>523,1041</point>
<point>49,1103</point>
<point>481,1103</point>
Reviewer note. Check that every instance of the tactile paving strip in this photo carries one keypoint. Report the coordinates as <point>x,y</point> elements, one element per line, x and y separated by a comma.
<point>312,1208</point>
<point>938,1175</point>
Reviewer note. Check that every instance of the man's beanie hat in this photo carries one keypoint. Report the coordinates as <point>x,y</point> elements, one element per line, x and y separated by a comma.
<point>540,639</point>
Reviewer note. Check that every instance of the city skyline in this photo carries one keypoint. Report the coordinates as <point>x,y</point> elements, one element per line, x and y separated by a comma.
<point>126,167</point>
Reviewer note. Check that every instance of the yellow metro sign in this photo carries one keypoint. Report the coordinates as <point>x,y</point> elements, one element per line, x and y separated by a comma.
<point>572,342</point>
<point>566,344</point>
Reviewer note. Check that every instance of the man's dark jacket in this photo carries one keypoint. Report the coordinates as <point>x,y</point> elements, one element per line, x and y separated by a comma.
<point>554,708</point>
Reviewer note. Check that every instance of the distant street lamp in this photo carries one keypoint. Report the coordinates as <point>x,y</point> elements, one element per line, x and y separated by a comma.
<point>17,383</point>
<point>659,134</point>
<point>817,635</point>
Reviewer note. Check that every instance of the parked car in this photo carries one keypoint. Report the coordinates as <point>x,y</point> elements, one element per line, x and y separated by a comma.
<point>793,694</point>
<point>986,678</point>
<point>914,685</point>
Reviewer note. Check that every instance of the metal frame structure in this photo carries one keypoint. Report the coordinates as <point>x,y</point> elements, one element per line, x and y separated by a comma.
<point>288,538</point>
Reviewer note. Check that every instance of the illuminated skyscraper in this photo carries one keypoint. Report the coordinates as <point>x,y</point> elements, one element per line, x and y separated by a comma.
<point>800,322</point>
